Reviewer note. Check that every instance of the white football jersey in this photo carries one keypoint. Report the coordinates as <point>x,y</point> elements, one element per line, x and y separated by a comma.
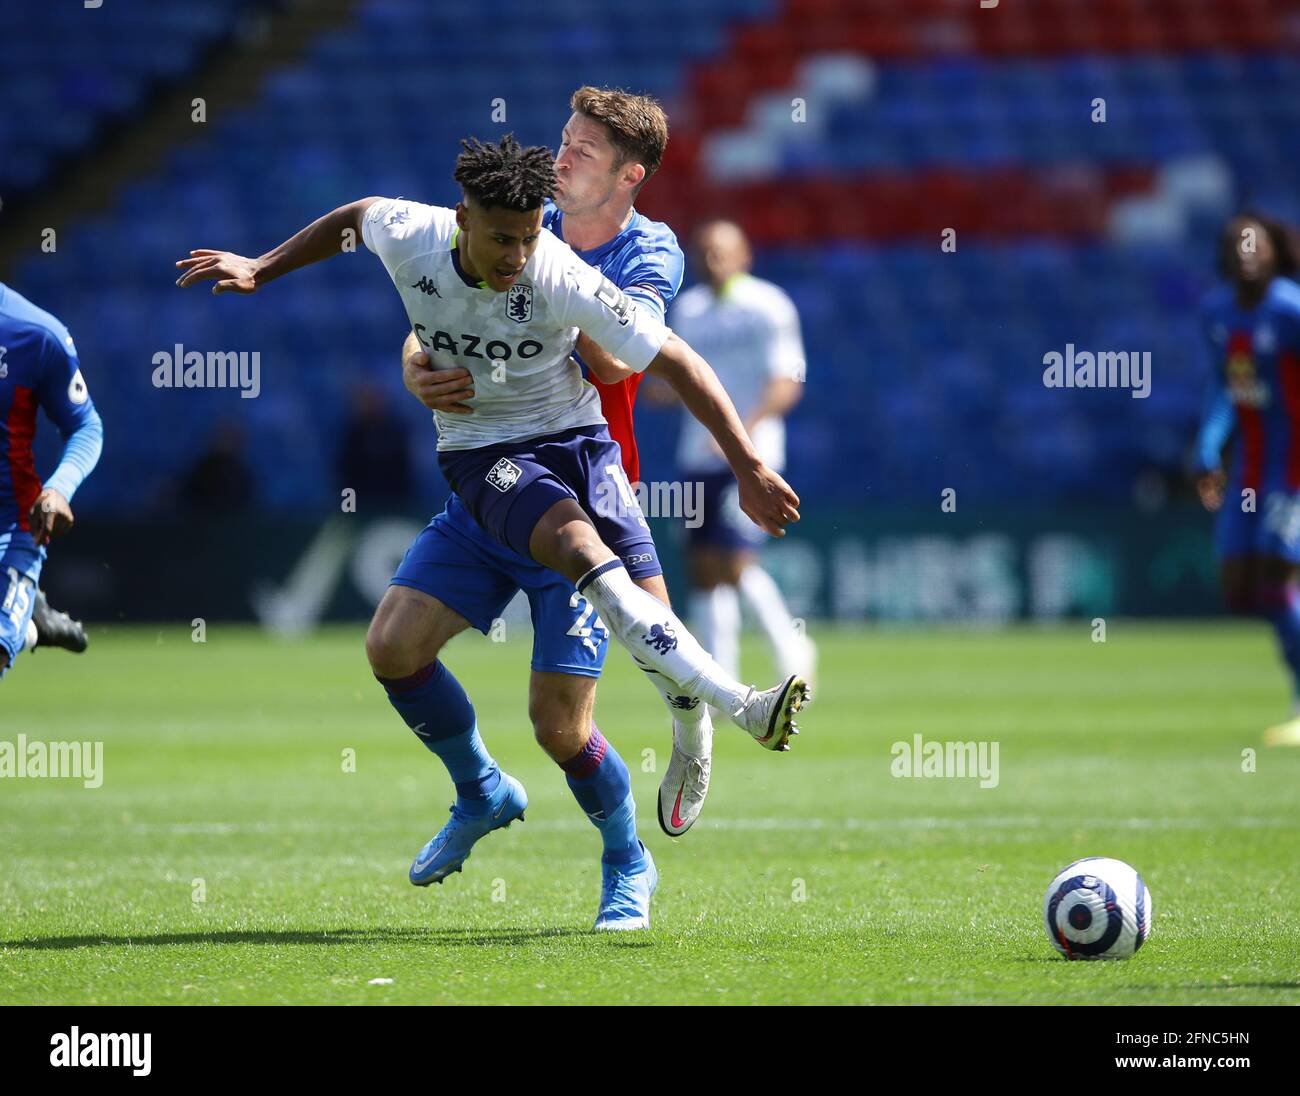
<point>517,344</point>
<point>750,335</point>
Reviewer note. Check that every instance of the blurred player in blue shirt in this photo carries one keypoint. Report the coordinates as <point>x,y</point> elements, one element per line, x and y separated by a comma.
<point>1253,325</point>
<point>38,368</point>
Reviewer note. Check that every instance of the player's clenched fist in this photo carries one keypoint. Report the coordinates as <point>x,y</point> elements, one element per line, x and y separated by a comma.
<point>232,273</point>
<point>50,516</point>
<point>768,500</point>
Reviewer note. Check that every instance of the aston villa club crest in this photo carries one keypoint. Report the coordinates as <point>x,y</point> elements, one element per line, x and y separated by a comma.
<point>504,474</point>
<point>519,303</point>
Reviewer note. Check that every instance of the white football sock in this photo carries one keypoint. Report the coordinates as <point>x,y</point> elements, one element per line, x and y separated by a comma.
<point>715,616</point>
<point>763,596</point>
<point>657,639</point>
<point>692,727</point>
<point>695,737</point>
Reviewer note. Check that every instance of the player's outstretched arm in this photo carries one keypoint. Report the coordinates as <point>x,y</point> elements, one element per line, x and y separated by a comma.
<point>764,495</point>
<point>321,239</point>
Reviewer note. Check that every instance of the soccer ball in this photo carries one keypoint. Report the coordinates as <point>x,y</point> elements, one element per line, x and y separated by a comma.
<point>1097,908</point>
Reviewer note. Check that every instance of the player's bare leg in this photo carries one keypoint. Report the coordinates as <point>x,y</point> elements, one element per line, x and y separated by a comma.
<point>560,707</point>
<point>408,631</point>
<point>565,540</point>
<point>406,635</point>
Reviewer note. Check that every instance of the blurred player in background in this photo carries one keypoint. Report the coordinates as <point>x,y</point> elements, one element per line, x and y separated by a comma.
<point>1253,324</point>
<point>748,330</point>
<point>610,146</point>
<point>38,368</point>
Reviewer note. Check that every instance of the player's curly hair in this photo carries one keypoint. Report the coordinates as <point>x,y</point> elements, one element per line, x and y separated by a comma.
<point>505,175</point>
<point>1284,237</point>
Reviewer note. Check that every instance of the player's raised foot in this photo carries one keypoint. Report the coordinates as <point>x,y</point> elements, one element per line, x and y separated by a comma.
<point>769,716</point>
<point>469,822</point>
<point>625,891</point>
<point>56,629</point>
<point>686,783</point>
<point>1284,734</point>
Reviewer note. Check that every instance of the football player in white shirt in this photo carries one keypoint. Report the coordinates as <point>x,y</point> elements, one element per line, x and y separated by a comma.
<point>748,330</point>
<point>609,148</point>
<point>487,289</point>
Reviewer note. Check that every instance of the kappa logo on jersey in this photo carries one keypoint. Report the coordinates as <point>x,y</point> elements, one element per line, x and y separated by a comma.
<point>399,216</point>
<point>425,286</point>
<point>504,474</point>
<point>519,303</point>
<point>615,300</point>
<point>77,391</point>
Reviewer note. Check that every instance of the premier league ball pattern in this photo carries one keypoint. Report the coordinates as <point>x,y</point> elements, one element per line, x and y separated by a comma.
<point>1098,908</point>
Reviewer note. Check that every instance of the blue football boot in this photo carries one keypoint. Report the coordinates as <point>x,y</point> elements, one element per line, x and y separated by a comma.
<point>450,847</point>
<point>625,891</point>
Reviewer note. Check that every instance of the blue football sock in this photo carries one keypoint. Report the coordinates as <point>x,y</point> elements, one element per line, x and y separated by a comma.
<point>600,783</point>
<point>1281,605</point>
<point>435,707</point>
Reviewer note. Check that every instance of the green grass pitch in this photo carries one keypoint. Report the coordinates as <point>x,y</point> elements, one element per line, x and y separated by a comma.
<point>814,876</point>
